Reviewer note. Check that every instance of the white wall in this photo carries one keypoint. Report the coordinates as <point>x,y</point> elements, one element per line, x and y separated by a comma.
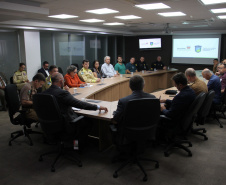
<point>32,52</point>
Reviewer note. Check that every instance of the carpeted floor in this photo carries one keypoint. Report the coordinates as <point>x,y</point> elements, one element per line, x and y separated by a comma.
<point>19,163</point>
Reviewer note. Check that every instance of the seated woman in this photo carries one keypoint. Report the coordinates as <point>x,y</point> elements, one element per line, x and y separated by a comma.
<point>71,79</point>
<point>96,69</point>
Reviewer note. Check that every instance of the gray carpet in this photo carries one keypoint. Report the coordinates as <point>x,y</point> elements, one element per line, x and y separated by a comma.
<point>19,163</point>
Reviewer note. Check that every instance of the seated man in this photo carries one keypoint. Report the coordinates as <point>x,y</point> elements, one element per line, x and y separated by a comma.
<point>120,68</point>
<point>86,75</point>
<point>48,83</point>
<point>107,69</point>
<point>178,106</point>
<point>142,65</point>
<point>20,76</point>
<point>26,93</point>
<point>72,79</point>
<point>136,84</point>
<point>44,69</point>
<point>130,66</point>
<point>3,83</point>
<point>66,101</point>
<point>158,64</point>
<point>196,84</point>
<point>222,75</point>
<point>213,84</point>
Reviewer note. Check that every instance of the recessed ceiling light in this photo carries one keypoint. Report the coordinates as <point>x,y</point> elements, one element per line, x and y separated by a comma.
<point>222,16</point>
<point>92,20</point>
<point>220,10</point>
<point>125,17</point>
<point>102,11</point>
<point>113,23</point>
<point>172,14</point>
<point>63,16</point>
<point>102,32</point>
<point>152,6</point>
<point>89,31</point>
<point>208,2</point>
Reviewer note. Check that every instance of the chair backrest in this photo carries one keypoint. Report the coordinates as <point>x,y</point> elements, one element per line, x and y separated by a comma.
<point>205,108</point>
<point>76,65</point>
<point>141,118</point>
<point>12,99</point>
<point>48,113</point>
<point>188,118</point>
<point>60,70</point>
<point>11,79</point>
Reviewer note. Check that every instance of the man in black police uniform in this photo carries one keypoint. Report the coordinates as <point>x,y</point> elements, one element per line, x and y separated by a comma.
<point>158,64</point>
<point>141,65</point>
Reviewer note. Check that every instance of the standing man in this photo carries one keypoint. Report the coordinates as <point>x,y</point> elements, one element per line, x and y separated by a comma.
<point>120,68</point>
<point>142,65</point>
<point>158,64</point>
<point>196,84</point>
<point>26,95</point>
<point>86,75</point>
<point>44,69</point>
<point>130,67</point>
<point>213,84</point>
<point>107,68</point>
<point>20,76</point>
<point>3,83</point>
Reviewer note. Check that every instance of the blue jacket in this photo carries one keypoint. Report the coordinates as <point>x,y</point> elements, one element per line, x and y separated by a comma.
<point>180,103</point>
<point>215,84</point>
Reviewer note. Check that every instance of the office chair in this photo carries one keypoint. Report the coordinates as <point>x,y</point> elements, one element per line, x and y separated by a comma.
<point>138,130</point>
<point>203,113</point>
<point>53,125</point>
<point>60,70</point>
<point>11,80</point>
<point>13,103</point>
<point>183,127</point>
<point>76,65</point>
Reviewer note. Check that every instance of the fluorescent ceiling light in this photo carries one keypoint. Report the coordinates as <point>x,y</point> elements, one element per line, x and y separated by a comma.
<point>89,31</point>
<point>102,32</point>
<point>63,16</point>
<point>113,23</point>
<point>222,16</point>
<point>172,14</point>
<point>220,10</point>
<point>92,20</point>
<point>152,6</point>
<point>102,11</point>
<point>125,17</point>
<point>208,2</point>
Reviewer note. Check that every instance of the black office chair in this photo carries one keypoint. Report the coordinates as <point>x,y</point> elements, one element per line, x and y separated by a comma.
<point>53,125</point>
<point>13,104</point>
<point>203,113</point>
<point>138,130</point>
<point>11,80</point>
<point>183,127</point>
<point>60,70</point>
<point>76,65</point>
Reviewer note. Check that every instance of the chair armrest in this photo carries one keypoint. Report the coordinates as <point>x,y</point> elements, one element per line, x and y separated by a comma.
<point>165,118</point>
<point>77,119</point>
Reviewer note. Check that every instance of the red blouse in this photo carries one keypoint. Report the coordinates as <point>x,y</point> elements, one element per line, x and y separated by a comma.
<point>72,82</point>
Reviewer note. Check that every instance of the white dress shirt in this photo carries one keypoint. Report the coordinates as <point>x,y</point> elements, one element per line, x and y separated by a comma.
<point>108,70</point>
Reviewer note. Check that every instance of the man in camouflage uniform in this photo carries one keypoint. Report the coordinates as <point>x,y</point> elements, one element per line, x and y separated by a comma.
<point>26,95</point>
<point>48,83</point>
<point>86,75</point>
<point>20,77</point>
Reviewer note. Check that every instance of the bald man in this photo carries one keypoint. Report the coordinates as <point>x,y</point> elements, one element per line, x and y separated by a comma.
<point>213,84</point>
<point>195,83</point>
<point>66,101</point>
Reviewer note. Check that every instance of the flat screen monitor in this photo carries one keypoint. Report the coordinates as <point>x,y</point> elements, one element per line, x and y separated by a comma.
<point>151,43</point>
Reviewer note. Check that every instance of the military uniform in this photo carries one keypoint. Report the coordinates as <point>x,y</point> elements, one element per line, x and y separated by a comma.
<point>141,66</point>
<point>47,84</point>
<point>27,93</point>
<point>19,78</point>
<point>157,65</point>
<point>86,75</point>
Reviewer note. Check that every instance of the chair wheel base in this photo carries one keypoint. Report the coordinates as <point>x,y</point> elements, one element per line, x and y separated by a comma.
<point>190,154</point>
<point>115,175</point>
<point>221,126</point>
<point>204,131</point>
<point>205,138</point>
<point>145,178</point>
<point>190,145</point>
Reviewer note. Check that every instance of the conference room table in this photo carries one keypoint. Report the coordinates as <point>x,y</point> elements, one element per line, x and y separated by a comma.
<point>107,93</point>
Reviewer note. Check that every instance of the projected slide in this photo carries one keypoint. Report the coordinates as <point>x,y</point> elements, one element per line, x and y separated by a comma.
<point>196,48</point>
<point>71,48</point>
<point>150,43</point>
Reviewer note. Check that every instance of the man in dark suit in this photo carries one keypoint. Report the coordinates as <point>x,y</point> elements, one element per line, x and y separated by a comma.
<point>66,101</point>
<point>176,108</point>
<point>136,84</point>
<point>44,69</point>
